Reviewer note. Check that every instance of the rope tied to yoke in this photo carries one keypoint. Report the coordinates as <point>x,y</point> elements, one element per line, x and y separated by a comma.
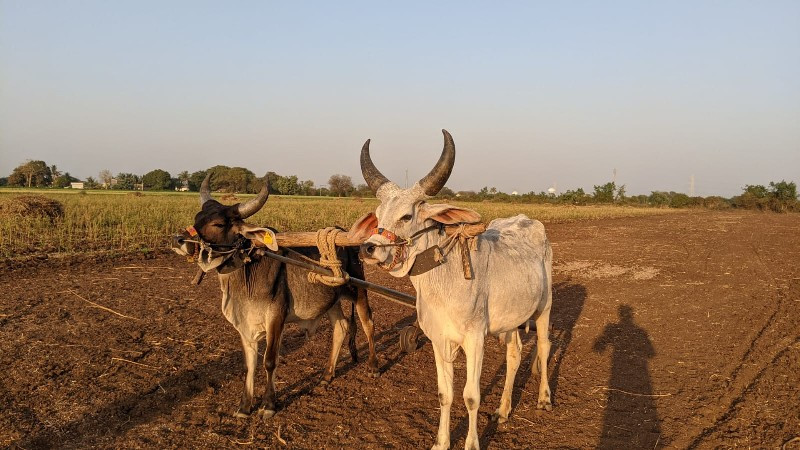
<point>467,243</point>
<point>462,237</point>
<point>326,243</point>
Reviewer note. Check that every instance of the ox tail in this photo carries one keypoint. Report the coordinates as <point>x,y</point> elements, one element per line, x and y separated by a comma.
<point>547,291</point>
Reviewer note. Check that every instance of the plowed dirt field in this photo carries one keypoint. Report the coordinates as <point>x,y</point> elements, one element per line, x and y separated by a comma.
<point>678,331</point>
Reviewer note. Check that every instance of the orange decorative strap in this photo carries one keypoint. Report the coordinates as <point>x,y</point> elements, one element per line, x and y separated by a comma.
<point>385,233</point>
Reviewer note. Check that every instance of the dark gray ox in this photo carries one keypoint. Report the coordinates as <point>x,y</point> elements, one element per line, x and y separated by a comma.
<point>259,296</point>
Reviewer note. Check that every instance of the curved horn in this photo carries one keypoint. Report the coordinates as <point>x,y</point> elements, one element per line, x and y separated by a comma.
<point>205,191</point>
<point>434,181</point>
<point>252,206</point>
<point>372,175</point>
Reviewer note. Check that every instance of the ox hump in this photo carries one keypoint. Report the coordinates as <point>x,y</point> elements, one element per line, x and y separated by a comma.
<point>519,227</point>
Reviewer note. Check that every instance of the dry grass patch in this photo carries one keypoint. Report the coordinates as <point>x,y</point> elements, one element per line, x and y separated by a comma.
<point>118,221</point>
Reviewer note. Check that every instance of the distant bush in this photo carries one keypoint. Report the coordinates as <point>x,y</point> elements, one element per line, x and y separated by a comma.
<point>716,202</point>
<point>779,197</point>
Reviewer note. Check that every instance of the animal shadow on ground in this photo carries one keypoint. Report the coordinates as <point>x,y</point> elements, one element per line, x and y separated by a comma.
<point>141,407</point>
<point>167,393</point>
<point>630,419</point>
<point>568,301</point>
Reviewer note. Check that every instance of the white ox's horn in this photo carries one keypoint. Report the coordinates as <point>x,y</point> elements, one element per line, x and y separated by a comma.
<point>372,175</point>
<point>434,181</point>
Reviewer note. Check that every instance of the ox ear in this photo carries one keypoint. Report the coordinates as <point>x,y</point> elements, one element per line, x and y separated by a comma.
<point>261,237</point>
<point>448,214</point>
<point>363,227</point>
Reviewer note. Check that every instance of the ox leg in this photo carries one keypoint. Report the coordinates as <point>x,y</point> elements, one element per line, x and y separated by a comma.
<point>339,324</point>
<point>473,349</point>
<point>513,357</point>
<point>274,331</point>
<point>442,352</point>
<point>542,354</point>
<point>250,354</point>
<point>365,316</point>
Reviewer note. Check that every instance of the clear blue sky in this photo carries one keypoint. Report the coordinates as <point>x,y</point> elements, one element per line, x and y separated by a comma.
<point>533,93</point>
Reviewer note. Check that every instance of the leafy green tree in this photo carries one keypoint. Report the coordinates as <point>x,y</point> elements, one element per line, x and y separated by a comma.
<point>3,181</point>
<point>91,183</point>
<point>576,197</point>
<point>232,179</point>
<point>619,195</point>
<point>446,192</point>
<point>756,190</point>
<point>307,188</point>
<point>31,174</point>
<point>362,190</point>
<point>340,185</point>
<point>182,180</point>
<point>196,179</point>
<point>54,172</point>
<point>679,200</point>
<point>157,180</point>
<point>604,193</point>
<point>286,185</point>
<point>127,181</point>
<point>64,180</point>
<point>658,198</point>
<point>783,191</point>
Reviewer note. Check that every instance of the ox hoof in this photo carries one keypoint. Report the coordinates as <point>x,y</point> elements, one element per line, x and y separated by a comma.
<point>265,414</point>
<point>374,372</point>
<point>241,414</point>
<point>499,417</point>
<point>545,405</point>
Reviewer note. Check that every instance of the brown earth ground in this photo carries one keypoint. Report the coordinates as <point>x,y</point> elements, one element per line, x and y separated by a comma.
<point>669,331</point>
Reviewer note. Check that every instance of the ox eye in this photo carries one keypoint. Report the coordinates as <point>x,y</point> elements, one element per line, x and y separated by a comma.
<point>219,225</point>
<point>406,218</point>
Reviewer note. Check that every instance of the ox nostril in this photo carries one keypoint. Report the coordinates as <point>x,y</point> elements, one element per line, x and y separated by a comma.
<point>367,249</point>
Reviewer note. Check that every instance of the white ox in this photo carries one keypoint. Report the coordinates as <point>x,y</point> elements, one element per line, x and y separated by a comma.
<point>512,267</point>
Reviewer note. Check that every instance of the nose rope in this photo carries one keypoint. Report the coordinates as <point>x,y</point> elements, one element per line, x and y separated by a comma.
<point>400,252</point>
<point>465,238</point>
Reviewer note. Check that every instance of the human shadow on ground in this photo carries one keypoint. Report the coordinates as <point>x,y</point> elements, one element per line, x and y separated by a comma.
<point>630,418</point>
<point>568,301</point>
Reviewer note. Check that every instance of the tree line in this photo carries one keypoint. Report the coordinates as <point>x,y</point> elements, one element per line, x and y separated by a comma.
<point>777,196</point>
<point>38,174</point>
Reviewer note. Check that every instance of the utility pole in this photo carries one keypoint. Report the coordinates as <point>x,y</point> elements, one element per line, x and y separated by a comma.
<point>691,186</point>
<point>614,178</point>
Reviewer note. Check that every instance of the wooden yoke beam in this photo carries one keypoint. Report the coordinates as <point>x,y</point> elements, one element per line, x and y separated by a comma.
<point>309,238</point>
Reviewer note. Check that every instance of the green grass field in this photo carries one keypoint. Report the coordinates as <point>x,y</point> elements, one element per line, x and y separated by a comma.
<point>120,221</point>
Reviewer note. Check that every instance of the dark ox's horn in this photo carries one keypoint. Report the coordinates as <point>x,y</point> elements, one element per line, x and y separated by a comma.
<point>252,206</point>
<point>372,175</point>
<point>205,191</point>
<point>434,181</point>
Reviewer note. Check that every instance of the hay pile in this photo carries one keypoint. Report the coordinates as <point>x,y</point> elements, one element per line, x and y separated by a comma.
<point>32,206</point>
